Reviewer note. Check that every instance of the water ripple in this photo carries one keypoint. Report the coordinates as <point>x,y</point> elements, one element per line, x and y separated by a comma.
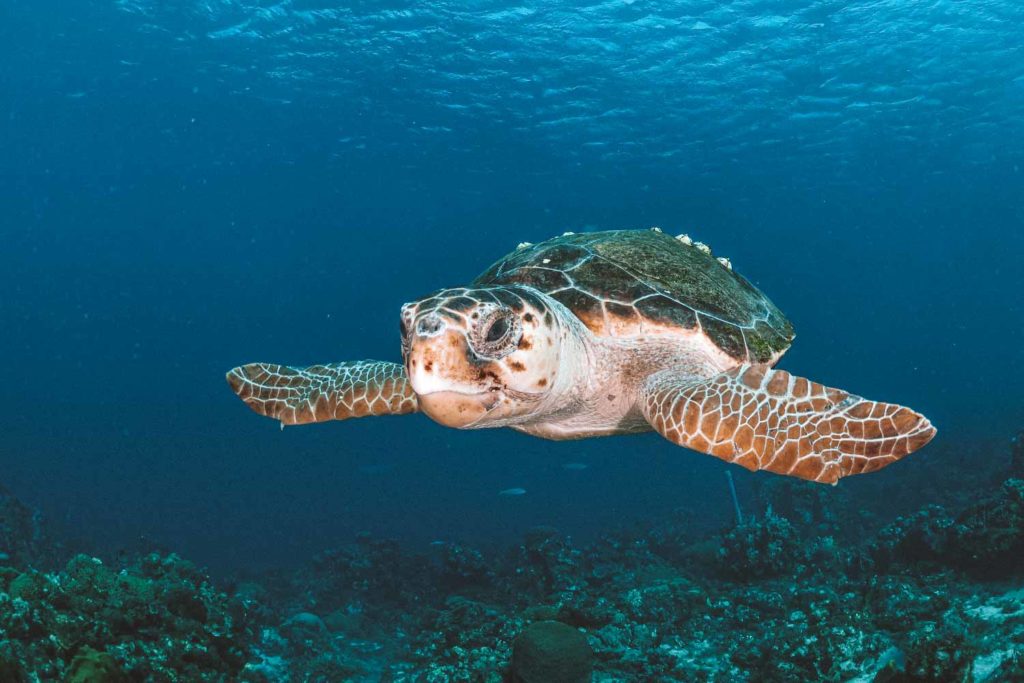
<point>641,80</point>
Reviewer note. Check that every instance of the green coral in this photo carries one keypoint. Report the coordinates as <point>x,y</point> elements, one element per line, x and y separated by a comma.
<point>91,666</point>
<point>551,652</point>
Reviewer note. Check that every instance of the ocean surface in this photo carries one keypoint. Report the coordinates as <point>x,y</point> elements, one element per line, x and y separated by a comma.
<point>186,186</point>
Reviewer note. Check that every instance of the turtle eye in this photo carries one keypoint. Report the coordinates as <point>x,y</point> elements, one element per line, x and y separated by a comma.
<point>497,330</point>
<point>496,334</point>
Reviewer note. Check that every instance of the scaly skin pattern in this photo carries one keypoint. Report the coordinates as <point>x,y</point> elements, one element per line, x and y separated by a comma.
<point>770,420</point>
<point>336,391</point>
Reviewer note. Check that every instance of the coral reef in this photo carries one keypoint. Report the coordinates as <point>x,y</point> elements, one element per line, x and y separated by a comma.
<point>808,588</point>
<point>160,619</point>
<point>759,549</point>
<point>986,540</point>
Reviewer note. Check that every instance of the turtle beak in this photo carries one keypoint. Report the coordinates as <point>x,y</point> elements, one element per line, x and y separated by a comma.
<point>454,409</point>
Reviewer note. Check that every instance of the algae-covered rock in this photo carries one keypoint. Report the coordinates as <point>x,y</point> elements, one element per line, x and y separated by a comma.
<point>92,666</point>
<point>30,586</point>
<point>551,652</point>
<point>156,622</point>
<point>921,538</point>
<point>941,651</point>
<point>305,632</point>
<point>760,548</point>
<point>988,538</point>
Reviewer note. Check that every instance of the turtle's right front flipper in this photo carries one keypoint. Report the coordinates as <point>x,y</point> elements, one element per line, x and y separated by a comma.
<point>767,419</point>
<point>336,391</point>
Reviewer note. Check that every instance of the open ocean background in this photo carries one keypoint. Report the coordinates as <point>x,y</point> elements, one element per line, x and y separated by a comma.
<point>190,185</point>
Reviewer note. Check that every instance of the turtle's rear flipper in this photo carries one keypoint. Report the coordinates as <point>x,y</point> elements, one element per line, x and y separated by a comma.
<point>318,393</point>
<point>769,420</point>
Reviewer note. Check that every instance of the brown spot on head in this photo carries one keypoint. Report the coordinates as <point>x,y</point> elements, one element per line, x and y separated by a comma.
<point>525,344</point>
<point>528,317</point>
<point>542,382</point>
<point>483,374</point>
<point>428,366</point>
<point>516,366</point>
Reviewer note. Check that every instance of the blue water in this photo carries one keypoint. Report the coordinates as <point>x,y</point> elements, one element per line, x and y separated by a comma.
<point>186,186</point>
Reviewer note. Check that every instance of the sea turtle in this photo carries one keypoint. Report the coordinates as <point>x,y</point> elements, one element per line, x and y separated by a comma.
<point>603,333</point>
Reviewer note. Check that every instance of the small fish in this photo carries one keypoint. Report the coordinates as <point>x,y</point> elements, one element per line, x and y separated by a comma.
<point>512,492</point>
<point>575,466</point>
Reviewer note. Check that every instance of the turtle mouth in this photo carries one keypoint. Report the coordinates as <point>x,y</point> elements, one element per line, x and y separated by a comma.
<point>458,392</point>
<point>458,409</point>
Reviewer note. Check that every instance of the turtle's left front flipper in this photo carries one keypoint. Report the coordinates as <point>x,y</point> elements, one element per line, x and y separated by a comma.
<point>769,420</point>
<point>337,391</point>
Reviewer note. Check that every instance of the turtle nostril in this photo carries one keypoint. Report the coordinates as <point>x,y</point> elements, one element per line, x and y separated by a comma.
<point>429,326</point>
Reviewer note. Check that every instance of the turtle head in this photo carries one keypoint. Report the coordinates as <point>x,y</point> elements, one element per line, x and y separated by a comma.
<point>481,357</point>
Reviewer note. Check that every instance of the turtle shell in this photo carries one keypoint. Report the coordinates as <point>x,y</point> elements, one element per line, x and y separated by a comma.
<point>629,282</point>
